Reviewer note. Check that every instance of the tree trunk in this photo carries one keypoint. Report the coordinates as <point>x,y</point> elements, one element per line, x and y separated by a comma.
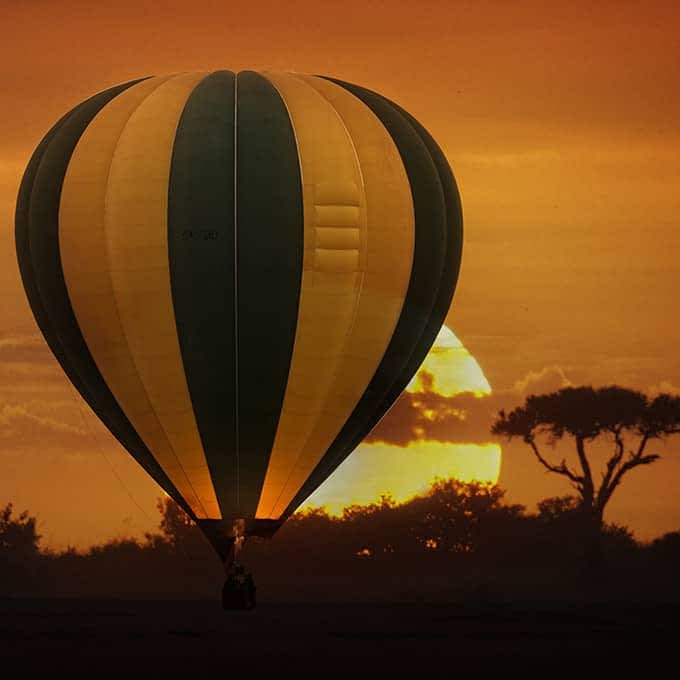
<point>592,569</point>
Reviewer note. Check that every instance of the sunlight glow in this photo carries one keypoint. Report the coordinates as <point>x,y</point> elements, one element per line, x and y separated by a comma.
<point>402,473</point>
<point>453,368</point>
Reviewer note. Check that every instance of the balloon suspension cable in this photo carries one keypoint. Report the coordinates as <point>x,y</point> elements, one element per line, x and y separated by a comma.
<point>100,449</point>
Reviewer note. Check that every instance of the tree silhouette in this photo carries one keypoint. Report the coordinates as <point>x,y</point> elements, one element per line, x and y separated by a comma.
<point>458,540</point>
<point>18,536</point>
<point>19,548</point>
<point>626,418</point>
<point>179,532</point>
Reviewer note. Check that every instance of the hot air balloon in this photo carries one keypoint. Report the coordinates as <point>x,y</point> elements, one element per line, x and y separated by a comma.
<point>239,273</point>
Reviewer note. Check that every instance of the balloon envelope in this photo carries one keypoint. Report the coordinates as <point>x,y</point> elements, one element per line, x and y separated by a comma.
<point>239,273</point>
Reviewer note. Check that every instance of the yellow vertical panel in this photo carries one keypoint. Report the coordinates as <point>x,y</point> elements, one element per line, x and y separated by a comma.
<point>368,304</point>
<point>119,277</point>
<point>84,257</point>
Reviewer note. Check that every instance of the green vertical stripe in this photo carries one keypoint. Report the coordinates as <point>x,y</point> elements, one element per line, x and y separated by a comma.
<point>24,257</point>
<point>269,272</point>
<point>201,252</point>
<point>452,256</point>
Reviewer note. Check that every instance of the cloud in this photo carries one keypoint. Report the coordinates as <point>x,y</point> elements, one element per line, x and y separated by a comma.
<point>548,379</point>
<point>40,411</point>
<point>463,418</point>
<point>14,412</point>
<point>28,368</point>
<point>21,348</point>
<point>429,416</point>
<point>41,425</point>
<point>664,386</point>
<point>509,160</point>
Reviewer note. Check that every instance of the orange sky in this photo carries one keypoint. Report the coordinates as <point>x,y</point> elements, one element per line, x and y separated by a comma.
<point>560,121</point>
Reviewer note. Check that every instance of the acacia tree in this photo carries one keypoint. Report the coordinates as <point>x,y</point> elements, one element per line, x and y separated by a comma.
<point>628,419</point>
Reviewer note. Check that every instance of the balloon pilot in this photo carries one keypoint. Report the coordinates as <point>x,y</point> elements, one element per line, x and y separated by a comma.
<point>239,588</point>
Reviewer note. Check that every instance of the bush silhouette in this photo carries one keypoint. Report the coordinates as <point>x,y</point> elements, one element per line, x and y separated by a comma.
<point>458,541</point>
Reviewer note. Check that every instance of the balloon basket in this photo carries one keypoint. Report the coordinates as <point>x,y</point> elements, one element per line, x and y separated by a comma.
<point>238,592</point>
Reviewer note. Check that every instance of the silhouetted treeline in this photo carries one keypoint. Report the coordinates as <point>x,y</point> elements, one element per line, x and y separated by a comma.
<point>460,541</point>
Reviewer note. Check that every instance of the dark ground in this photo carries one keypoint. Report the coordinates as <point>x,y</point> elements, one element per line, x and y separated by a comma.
<point>96,637</point>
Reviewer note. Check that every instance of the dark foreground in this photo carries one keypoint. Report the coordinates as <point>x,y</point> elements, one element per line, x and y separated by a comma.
<point>94,637</point>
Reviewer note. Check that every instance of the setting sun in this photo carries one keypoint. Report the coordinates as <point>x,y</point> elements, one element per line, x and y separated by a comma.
<point>452,368</point>
<point>402,472</point>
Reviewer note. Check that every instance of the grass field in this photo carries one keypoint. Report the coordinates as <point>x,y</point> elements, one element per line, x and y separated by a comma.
<point>99,637</point>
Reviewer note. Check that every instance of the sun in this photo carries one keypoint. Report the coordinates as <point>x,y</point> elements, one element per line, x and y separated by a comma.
<point>378,469</point>
<point>452,367</point>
